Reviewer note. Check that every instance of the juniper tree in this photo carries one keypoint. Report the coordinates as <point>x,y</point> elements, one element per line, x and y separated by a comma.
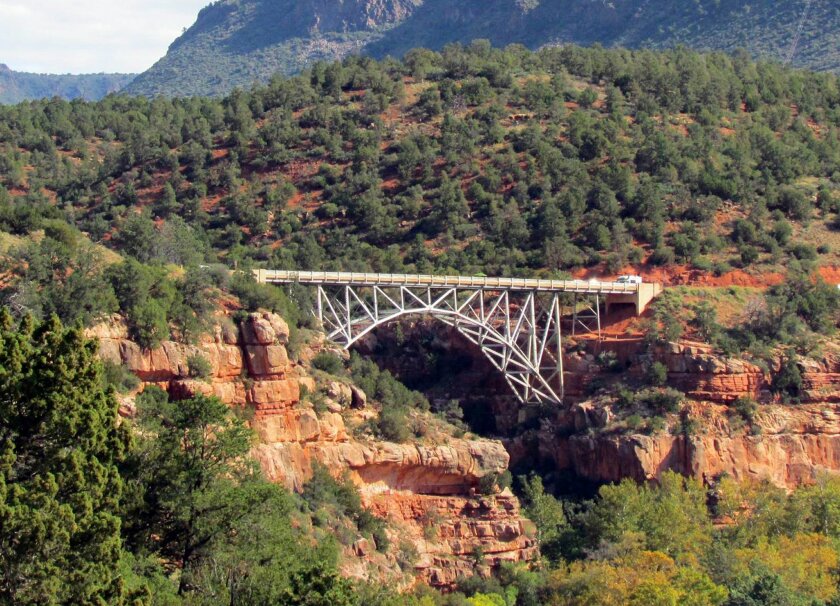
<point>59,483</point>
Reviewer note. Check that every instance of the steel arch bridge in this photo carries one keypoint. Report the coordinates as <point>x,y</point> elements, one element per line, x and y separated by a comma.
<point>517,323</point>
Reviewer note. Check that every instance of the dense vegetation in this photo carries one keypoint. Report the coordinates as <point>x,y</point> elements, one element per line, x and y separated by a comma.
<point>169,511</point>
<point>20,86</point>
<point>471,160</point>
<point>176,513</point>
<point>237,42</point>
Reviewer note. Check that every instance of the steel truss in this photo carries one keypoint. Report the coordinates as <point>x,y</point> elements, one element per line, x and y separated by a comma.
<point>519,332</point>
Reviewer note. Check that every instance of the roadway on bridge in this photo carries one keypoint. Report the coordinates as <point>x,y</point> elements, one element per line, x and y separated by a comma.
<point>591,287</point>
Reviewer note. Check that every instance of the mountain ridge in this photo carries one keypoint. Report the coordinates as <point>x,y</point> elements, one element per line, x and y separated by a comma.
<point>239,42</point>
<point>16,86</point>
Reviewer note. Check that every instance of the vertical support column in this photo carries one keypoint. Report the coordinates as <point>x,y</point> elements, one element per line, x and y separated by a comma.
<point>598,314</point>
<point>349,325</point>
<point>320,309</point>
<point>375,304</point>
<point>558,326</point>
<point>533,342</point>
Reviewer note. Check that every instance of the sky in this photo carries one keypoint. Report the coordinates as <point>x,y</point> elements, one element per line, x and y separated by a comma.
<point>90,36</point>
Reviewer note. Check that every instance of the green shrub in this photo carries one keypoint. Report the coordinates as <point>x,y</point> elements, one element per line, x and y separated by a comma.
<point>661,401</point>
<point>745,408</point>
<point>488,484</point>
<point>609,362</point>
<point>633,422</point>
<point>655,425</point>
<point>788,381</point>
<point>689,426</point>
<point>329,363</point>
<point>119,377</point>
<point>324,491</point>
<point>392,425</point>
<point>657,374</point>
<point>451,412</point>
<point>199,366</point>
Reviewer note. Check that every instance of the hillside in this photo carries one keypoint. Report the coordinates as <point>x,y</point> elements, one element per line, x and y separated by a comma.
<point>21,86</point>
<point>715,414</point>
<point>239,42</point>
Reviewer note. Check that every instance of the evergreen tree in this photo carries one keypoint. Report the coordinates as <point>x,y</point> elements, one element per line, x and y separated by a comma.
<point>200,496</point>
<point>59,483</point>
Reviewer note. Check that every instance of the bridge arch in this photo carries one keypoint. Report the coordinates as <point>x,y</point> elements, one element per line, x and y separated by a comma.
<point>518,370</point>
<point>519,335</point>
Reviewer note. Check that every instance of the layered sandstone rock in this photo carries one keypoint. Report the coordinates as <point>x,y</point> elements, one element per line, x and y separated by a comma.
<point>250,365</point>
<point>408,483</point>
<point>448,531</point>
<point>788,444</point>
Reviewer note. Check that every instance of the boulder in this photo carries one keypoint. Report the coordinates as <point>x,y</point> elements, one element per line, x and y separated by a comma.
<point>358,398</point>
<point>264,328</point>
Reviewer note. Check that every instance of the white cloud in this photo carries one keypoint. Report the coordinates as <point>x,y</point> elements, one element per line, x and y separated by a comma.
<point>87,36</point>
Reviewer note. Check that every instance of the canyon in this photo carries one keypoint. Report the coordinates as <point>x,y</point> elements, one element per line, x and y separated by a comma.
<point>786,443</point>
<point>428,489</point>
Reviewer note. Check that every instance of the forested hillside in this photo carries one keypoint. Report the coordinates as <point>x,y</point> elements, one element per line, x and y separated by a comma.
<point>20,86</point>
<point>238,42</point>
<point>590,162</point>
<point>470,160</point>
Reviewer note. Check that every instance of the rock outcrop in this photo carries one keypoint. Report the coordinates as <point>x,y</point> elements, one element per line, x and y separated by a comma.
<point>788,444</point>
<point>458,536</point>
<point>410,484</point>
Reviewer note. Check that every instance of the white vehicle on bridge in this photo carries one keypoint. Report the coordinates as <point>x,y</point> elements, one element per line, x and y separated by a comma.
<point>628,279</point>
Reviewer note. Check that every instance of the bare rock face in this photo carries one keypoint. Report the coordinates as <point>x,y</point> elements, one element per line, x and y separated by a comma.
<point>250,364</point>
<point>446,532</point>
<point>264,329</point>
<point>789,446</point>
<point>379,467</point>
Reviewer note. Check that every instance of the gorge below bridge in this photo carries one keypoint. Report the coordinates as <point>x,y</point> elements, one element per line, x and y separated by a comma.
<point>518,323</point>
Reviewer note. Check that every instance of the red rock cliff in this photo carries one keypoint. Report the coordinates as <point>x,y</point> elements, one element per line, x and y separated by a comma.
<point>789,444</point>
<point>414,485</point>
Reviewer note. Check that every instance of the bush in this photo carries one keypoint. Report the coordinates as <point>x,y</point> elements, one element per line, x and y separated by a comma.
<point>119,377</point>
<point>392,425</point>
<point>199,366</point>
<point>609,362</point>
<point>745,408</point>
<point>634,421</point>
<point>788,381</point>
<point>689,426</point>
<point>661,401</point>
<point>451,412</point>
<point>662,255</point>
<point>657,374</point>
<point>488,484</point>
<point>323,491</point>
<point>655,425</point>
<point>329,363</point>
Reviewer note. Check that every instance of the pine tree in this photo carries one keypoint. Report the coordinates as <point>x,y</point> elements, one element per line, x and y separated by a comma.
<point>59,483</point>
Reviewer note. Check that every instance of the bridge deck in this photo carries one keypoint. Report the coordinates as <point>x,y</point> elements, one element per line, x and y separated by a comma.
<point>591,287</point>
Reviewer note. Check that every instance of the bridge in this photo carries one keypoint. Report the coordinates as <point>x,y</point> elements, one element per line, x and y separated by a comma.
<point>518,323</point>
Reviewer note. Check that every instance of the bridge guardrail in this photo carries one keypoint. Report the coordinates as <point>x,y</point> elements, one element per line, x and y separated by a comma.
<point>380,279</point>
